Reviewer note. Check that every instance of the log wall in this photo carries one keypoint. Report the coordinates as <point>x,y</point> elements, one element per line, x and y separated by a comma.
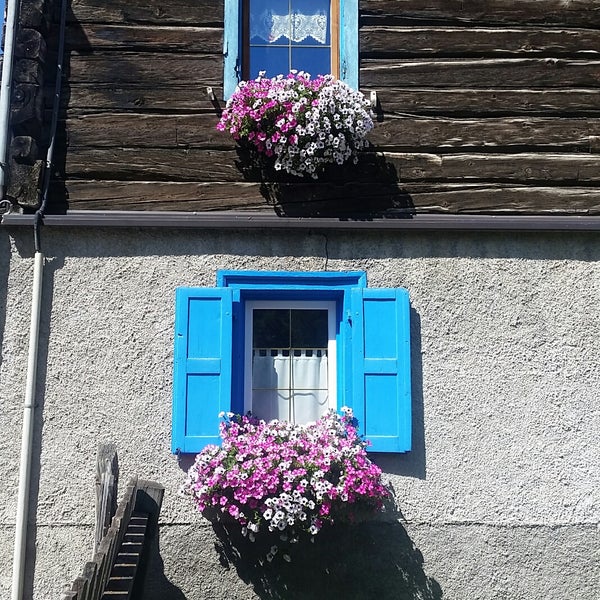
<point>483,107</point>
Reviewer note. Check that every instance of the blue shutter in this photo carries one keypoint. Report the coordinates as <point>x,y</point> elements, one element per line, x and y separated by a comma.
<point>349,42</point>
<point>232,59</point>
<point>202,366</point>
<point>381,397</point>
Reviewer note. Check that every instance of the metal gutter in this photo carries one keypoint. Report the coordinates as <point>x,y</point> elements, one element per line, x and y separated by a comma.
<point>260,220</point>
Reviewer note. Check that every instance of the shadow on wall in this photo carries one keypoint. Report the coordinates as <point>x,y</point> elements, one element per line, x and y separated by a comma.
<point>413,463</point>
<point>362,561</point>
<point>156,585</point>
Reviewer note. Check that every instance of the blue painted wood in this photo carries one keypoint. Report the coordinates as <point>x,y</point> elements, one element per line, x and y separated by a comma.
<point>381,389</point>
<point>232,41</point>
<point>202,376</point>
<point>349,42</point>
<point>270,280</point>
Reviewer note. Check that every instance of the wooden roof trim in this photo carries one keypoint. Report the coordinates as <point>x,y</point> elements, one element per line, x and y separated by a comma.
<point>252,220</point>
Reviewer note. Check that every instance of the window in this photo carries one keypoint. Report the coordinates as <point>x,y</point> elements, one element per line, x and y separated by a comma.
<point>290,359</point>
<point>291,346</point>
<point>276,36</point>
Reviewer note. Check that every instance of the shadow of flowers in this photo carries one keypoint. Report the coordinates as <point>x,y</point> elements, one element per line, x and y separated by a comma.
<point>360,561</point>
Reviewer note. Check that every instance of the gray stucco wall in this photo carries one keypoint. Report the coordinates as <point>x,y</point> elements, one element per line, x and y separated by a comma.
<point>500,498</point>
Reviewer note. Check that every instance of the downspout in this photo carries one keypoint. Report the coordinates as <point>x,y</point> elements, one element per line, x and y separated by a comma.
<point>21,520</point>
<point>6,87</point>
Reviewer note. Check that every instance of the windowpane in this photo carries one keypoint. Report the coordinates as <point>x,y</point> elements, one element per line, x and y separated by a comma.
<point>308,328</point>
<point>271,328</point>
<point>272,59</point>
<point>311,22</point>
<point>316,61</point>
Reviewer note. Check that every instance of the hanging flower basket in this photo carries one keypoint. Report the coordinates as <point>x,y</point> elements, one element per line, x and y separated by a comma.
<point>279,483</point>
<point>297,126</point>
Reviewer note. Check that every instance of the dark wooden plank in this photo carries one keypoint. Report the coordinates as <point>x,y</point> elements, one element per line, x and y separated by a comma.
<point>486,73</point>
<point>450,198</point>
<point>198,131</point>
<point>448,101</point>
<point>82,97</point>
<point>151,195</point>
<point>493,133</point>
<point>466,102</point>
<point>220,166</point>
<point>146,131</point>
<point>467,41</point>
<point>152,163</point>
<point>92,36</point>
<point>490,199</point>
<point>575,168</point>
<point>562,12</point>
<point>158,69</point>
<point>157,12</point>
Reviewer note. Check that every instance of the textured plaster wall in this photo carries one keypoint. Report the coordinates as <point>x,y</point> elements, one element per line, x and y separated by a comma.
<point>500,498</point>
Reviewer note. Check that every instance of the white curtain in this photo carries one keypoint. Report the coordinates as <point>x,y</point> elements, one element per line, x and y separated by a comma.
<point>296,27</point>
<point>289,385</point>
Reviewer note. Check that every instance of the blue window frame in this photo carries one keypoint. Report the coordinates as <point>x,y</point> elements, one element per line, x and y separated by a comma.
<point>316,36</point>
<point>372,337</point>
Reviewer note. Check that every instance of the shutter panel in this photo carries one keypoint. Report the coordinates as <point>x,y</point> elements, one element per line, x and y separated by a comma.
<point>381,367</point>
<point>232,64</point>
<point>349,42</point>
<point>202,366</point>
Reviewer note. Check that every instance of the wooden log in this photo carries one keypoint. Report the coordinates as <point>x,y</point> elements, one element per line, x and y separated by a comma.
<point>157,12</point>
<point>199,131</point>
<point>84,37</point>
<point>30,44</point>
<point>24,184</point>
<point>146,131</point>
<point>150,195</point>
<point>152,164</point>
<point>572,12</point>
<point>137,68</point>
<point>522,168</point>
<point>410,197</point>
<point>27,109</point>
<point>488,102</point>
<point>500,73</point>
<point>35,14</point>
<point>85,98</point>
<point>26,70</point>
<point>24,149</point>
<point>221,165</point>
<point>568,135</point>
<point>477,41</point>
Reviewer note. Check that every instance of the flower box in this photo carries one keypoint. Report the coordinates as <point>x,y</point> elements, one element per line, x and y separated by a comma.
<point>284,482</point>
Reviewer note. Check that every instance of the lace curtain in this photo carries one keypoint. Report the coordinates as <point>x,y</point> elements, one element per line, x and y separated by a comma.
<point>296,26</point>
<point>290,385</point>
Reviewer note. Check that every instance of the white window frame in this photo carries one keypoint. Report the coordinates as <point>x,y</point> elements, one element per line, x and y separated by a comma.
<point>330,306</point>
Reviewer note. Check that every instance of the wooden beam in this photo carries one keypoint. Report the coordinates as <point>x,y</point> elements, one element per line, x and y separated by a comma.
<point>94,37</point>
<point>180,12</point>
<point>501,73</point>
<point>487,102</point>
<point>405,197</point>
<point>572,12</point>
<point>139,68</point>
<point>208,165</point>
<point>405,41</point>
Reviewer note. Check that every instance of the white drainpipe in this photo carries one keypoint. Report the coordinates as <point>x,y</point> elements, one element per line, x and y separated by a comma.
<point>27,439</point>
<point>6,87</point>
